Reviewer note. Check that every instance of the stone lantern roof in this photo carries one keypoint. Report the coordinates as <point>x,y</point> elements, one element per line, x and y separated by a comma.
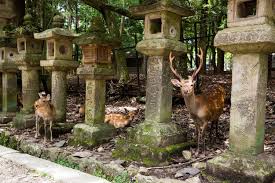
<point>150,6</point>
<point>57,32</point>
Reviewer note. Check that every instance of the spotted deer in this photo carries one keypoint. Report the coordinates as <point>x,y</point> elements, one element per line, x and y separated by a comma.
<point>204,108</point>
<point>44,110</point>
<point>120,120</point>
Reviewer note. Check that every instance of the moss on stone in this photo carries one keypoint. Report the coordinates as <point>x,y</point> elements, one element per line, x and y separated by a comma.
<point>8,141</point>
<point>149,155</point>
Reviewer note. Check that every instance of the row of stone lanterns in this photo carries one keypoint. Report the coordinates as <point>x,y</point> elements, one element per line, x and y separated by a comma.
<point>250,36</point>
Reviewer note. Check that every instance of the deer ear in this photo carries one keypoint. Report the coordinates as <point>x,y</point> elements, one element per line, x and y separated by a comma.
<point>176,82</point>
<point>48,97</point>
<point>40,95</point>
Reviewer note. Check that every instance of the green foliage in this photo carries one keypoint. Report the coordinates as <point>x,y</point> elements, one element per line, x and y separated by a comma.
<point>122,178</point>
<point>66,163</point>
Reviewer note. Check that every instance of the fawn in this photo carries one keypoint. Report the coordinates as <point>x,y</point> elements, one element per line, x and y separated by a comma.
<point>44,109</point>
<point>120,120</point>
<point>204,108</point>
<point>81,110</point>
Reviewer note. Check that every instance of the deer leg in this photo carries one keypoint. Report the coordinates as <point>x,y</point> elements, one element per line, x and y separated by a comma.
<point>45,129</point>
<point>198,141</point>
<point>217,129</point>
<point>210,133</point>
<point>36,126</point>
<point>51,124</point>
<point>204,127</point>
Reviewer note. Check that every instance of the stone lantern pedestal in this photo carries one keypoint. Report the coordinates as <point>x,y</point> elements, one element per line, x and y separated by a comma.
<point>30,53</point>
<point>250,37</point>
<point>157,137</point>
<point>96,68</point>
<point>8,70</point>
<point>59,62</point>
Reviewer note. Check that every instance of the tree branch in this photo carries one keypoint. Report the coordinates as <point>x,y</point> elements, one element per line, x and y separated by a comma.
<point>99,5</point>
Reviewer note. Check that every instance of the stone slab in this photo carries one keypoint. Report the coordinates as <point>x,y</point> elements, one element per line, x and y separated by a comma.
<point>240,168</point>
<point>247,39</point>
<point>159,47</point>
<point>57,172</point>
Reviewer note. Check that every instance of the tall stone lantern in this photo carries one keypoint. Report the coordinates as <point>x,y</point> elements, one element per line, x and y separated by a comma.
<point>151,142</point>
<point>250,37</point>
<point>8,70</point>
<point>7,11</point>
<point>59,62</point>
<point>96,68</point>
<point>30,53</point>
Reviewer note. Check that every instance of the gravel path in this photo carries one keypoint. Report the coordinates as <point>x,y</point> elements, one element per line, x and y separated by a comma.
<point>13,173</point>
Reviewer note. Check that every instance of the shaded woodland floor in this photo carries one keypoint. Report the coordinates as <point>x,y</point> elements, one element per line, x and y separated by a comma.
<point>120,97</point>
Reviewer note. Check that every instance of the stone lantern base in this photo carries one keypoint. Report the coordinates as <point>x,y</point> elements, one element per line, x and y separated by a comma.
<point>92,135</point>
<point>94,131</point>
<point>152,143</point>
<point>241,168</point>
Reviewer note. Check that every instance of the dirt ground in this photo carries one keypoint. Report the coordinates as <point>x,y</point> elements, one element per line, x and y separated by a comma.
<point>13,173</point>
<point>132,96</point>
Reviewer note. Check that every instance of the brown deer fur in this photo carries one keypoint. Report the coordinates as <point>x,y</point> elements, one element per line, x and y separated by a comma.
<point>204,108</point>
<point>120,120</point>
<point>44,110</point>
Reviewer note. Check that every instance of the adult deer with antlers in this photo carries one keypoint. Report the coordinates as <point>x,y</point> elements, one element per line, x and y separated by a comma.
<point>204,108</point>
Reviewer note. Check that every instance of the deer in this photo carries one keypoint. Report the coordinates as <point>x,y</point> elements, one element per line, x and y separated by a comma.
<point>204,108</point>
<point>44,110</point>
<point>120,120</point>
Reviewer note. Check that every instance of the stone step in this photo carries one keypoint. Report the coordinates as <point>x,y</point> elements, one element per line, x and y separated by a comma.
<point>57,172</point>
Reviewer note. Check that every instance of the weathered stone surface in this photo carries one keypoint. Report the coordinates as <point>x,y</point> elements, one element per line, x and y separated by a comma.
<point>92,135</point>
<point>187,155</point>
<point>95,102</point>
<point>158,91</point>
<point>152,145</point>
<point>30,88</point>
<point>158,47</point>
<point>55,33</point>
<point>7,12</point>
<point>61,65</point>
<point>174,6</point>
<point>187,172</point>
<point>23,121</point>
<point>98,72</point>
<point>240,168</point>
<point>9,84</point>
<point>59,94</point>
<point>263,10</point>
<point>249,78</point>
<point>247,39</point>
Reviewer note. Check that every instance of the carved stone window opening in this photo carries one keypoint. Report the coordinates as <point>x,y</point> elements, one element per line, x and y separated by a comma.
<point>155,25</point>
<point>247,9</point>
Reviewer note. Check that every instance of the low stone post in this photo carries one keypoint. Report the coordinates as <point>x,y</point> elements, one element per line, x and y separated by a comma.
<point>157,137</point>
<point>250,37</point>
<point>30,53</point>
<point>59,62</point>
<point>96,68</point>
<point>8,86</point>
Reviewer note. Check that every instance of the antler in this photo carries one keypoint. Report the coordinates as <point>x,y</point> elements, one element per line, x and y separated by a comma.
<point>200,66</point>
<point>171,58</point>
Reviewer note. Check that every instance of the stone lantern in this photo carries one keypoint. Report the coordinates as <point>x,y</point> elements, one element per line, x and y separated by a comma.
<point>96,68</point>
<point>151,142</point>
<point>59,62</point>
<point>30,53</point>
<point>8,70</point>
<point>250,37</point>
<point>7,11</point>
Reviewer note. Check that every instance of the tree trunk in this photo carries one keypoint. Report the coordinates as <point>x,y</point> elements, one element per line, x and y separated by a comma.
<point>120,56</point>
<point>220,61</point>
